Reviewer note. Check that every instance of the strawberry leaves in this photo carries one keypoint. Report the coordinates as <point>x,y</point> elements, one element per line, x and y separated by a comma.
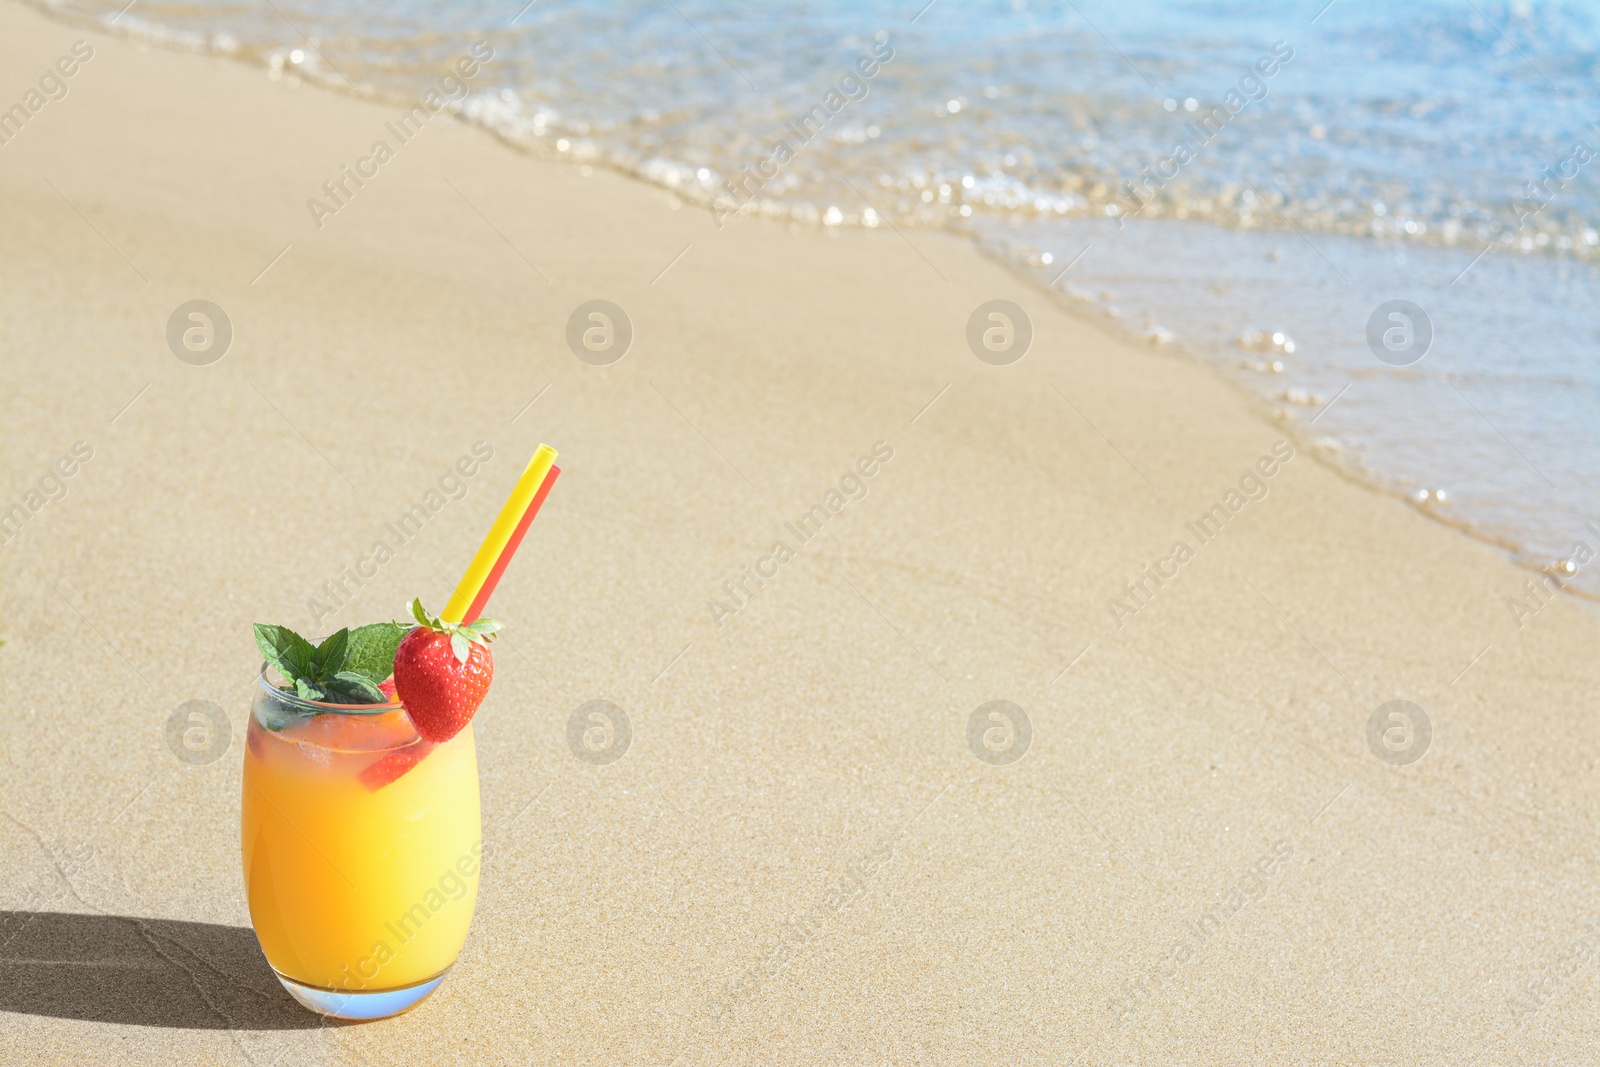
<point>462,635</point>
<point>345,668</point>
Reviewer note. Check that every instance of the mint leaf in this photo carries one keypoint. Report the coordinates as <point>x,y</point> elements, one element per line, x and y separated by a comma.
<point>307,691</point>
<point>330,655</point>
<point>300,657</point>
<point>273,642</point>
<point>372,648</point>
<point>350,688</point>
<point>285,651</point>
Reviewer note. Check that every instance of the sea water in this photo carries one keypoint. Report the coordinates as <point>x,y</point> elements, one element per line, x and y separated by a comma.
<point>1250,184</point>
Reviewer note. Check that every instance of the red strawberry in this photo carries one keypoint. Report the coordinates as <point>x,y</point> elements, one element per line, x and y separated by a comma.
<point>442,672</point>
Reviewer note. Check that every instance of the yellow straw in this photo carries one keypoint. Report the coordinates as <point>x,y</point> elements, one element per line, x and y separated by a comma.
<point>500,533</point>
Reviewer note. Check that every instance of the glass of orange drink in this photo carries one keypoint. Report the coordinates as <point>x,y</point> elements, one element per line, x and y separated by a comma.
<point>362,844</point>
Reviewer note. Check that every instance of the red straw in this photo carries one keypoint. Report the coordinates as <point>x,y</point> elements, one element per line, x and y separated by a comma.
<point>482,599</point>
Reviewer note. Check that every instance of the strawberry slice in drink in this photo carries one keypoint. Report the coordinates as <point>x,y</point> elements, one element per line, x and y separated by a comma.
<point>385,770</point>
<point>253,737</point>
<point>381,772</point>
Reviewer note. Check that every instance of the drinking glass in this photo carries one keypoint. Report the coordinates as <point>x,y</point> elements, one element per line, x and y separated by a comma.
<point>362,844</point>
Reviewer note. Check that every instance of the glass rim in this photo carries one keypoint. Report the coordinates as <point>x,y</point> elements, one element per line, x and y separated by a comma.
<point>323,707</point>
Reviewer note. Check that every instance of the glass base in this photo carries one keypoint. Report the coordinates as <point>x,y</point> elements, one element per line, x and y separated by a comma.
<point>361,1004</point>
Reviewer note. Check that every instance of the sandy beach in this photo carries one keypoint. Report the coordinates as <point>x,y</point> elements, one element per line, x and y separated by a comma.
<point>803,856</point>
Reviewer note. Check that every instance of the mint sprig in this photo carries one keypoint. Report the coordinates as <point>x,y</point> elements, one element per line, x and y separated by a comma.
<point>345,668</point>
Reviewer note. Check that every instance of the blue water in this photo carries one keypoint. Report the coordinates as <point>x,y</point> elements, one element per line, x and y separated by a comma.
<point>1379,151</point>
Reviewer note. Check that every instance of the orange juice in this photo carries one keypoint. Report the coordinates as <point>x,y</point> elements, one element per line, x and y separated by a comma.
<point>361,846</point>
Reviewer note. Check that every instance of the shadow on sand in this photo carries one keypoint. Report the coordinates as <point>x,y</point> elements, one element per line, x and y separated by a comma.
<point>144,972</point>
